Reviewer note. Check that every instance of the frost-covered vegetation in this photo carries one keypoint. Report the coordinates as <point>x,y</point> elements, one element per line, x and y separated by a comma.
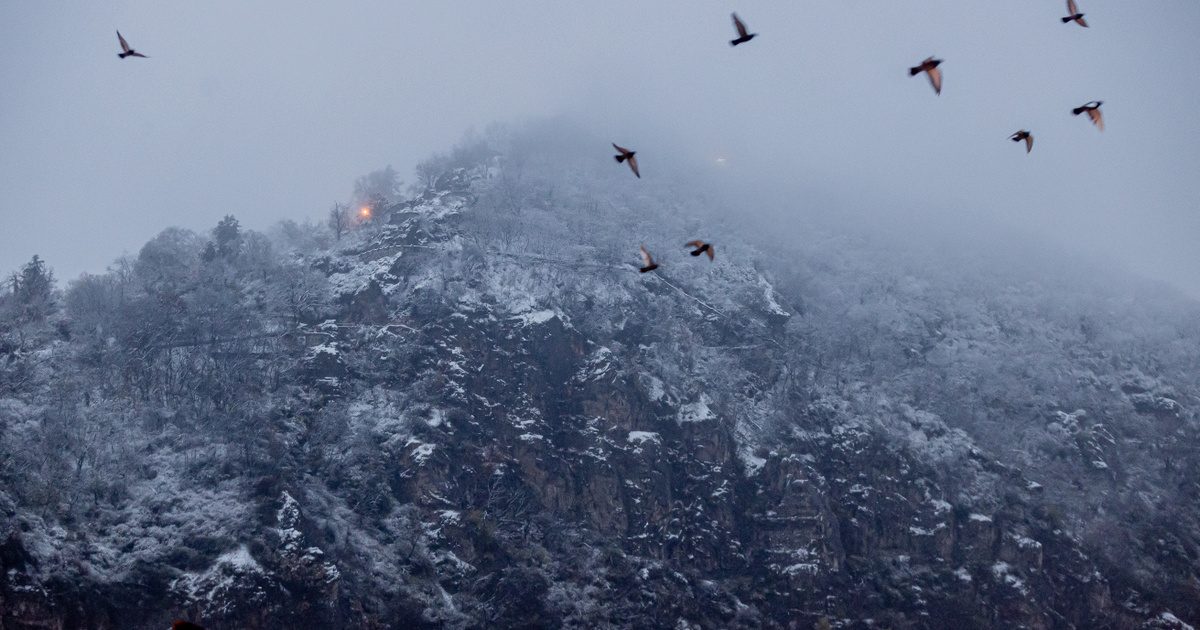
<point>470,410</point>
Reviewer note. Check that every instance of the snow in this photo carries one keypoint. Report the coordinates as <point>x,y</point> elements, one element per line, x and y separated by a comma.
<point>1002,571</point>
<point>535,317</point>
<point>698,411</point>
<point>329,348</point>
<point>655,389</point>
<point>752,462</point>
<point>422,451</point>
<point>641,437</point>
<point>980,518</point>
<point>806,568</point>
<point>962,574</point>
<point>1179,623</point>
<point>1026,542</point>
<point>240,559</point>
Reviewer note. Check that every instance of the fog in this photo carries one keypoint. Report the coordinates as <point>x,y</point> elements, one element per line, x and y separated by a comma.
<point>270,111</point>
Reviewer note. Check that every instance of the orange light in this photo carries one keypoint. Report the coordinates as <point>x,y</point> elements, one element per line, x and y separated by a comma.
<point>365,212</point>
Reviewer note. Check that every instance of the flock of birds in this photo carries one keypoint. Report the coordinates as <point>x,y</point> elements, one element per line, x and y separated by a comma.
<point>929,66</point>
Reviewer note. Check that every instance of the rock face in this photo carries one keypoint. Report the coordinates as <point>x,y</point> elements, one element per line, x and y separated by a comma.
<point>482,425</point>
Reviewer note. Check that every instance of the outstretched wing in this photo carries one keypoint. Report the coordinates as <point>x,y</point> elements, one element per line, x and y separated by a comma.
<point>739,25</point>
<point>633,166</point>
<point>1097,117</point>
<point>124,44</point>
<point>647,260</point>
<point>1028,142</point>
<point>935,79</point>
<point>711,252</point>
<point>1082,22</point>
<point>620,149</point>
<point>1071,8</point>
<point>693,244</point>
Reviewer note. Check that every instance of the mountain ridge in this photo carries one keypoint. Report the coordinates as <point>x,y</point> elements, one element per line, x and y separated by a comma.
<point>472,411</point>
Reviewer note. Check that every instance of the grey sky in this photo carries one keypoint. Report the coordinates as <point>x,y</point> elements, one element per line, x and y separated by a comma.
<point>269,110</point>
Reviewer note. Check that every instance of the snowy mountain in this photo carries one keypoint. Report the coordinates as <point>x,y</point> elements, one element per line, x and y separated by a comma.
<point>471,410</point>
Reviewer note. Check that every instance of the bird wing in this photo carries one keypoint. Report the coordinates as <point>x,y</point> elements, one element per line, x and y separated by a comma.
<point>711,252</point>
<point>1082,22</point>
<point>1071,8</point>
<point>124,44</point>
<point>1097,117</point>
<point>1028,142</point>
<point>633,166</point>
<point>693,244</point>
<point>620,149</point>
<point>739,25</point>
<point>935,78</point>
<point>137,54</point>
<point>647,260</point>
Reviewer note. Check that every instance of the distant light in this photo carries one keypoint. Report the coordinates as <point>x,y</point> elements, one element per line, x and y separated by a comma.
<point>365,212</point>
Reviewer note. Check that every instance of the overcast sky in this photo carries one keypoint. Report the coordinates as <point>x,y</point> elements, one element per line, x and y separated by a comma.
<point>270,110</point>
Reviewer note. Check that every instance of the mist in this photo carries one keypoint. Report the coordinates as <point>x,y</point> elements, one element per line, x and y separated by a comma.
<point>267,112</point>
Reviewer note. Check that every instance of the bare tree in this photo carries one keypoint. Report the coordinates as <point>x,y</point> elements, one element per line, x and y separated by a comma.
<point>339,221</point>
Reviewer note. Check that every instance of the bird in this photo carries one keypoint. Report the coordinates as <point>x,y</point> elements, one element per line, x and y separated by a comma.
<point>1093,111</point>
<point>1023,135</point>
<point>701,248</point>
<point>1075,15</point>
<point>625,154</point>
<point>930,67</point>
<point>743,35</point>
<point>180,624</point>
<point>126,51</point>
<point>648,263</point>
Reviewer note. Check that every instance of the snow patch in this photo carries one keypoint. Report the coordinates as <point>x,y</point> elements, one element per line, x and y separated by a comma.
<point>641,437</point>
<point>698,411</point>
<point>535,317</point>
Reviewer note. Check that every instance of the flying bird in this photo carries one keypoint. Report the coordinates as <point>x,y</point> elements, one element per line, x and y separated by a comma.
<point>126,51</point>
<point>648,263</point>
<point>180,624</point>
<point>1075,15</point>
<point>1023,135</point>
<point>1093,111</point>
<point>743,35</point>
<point>930,67</point>
<point>701,248</point>
<point>624,154</point>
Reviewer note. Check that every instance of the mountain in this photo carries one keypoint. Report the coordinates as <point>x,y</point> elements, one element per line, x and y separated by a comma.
<point>470,410</point>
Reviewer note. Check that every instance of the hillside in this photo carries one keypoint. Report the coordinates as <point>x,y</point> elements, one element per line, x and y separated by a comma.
<point>472,411</point>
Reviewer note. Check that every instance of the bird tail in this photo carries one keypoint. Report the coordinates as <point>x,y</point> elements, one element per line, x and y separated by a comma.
<point>697,252</point>
<point>1068,19</point>
<point>912,72</point>
<point>648,268</point>
<point>122,55</point>
<point>619,158</point>
<point>1078,110</point>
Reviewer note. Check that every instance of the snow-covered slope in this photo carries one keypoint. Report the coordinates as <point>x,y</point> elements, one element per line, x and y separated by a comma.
<point>473,411</point>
